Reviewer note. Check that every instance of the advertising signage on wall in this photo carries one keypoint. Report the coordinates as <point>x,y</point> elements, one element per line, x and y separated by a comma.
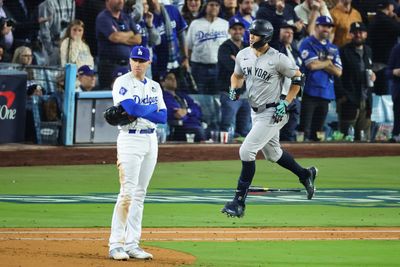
<point>12,106</point>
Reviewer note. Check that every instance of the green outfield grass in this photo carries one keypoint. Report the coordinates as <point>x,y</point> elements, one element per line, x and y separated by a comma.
<point>374,172</point>
<point>291,253</point>
<point>337,173</point>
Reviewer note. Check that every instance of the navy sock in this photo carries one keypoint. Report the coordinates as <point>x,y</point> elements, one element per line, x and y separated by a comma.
<point>288,162</point>
<point>245,179</point>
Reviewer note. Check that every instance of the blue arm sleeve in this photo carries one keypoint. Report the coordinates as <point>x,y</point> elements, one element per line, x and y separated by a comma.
<point>157,117</point>
<point>137,110</point>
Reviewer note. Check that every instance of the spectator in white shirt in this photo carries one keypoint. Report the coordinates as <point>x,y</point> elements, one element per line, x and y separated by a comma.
<point>204,37</point>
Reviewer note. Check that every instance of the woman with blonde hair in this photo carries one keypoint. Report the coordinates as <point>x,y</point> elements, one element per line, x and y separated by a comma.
<point>73,47</point>
<point>22,55</point>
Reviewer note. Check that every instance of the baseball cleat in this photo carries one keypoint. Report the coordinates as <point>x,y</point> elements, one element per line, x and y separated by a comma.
<point>139,253</point>
<point>118,254</point>
<point>234,209</point>
<point>309,182</point>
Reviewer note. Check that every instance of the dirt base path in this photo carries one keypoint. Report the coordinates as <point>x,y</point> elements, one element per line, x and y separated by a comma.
<point>88,247</point>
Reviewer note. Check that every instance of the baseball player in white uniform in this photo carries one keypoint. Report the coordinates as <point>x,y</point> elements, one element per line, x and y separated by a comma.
<point>266,72</point>
<point>137,150</point>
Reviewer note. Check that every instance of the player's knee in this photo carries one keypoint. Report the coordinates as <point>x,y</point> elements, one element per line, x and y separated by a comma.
<point>272,154</point>
<point>139,195</point>
<point>126,199</point>
<point>247,155</point>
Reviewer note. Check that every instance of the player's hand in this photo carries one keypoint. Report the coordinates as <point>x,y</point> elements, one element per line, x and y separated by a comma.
<point>281,110</point>
<point>234,93</point>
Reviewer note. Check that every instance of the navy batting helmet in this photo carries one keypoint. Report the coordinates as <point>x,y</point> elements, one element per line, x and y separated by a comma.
<point>263,28</point>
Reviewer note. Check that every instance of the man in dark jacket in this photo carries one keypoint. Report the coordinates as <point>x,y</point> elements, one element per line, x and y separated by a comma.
<point>285,46</point>
<point>353,88</point>
<point>234,114</point>
<point>383,33</point>
<point>393,73</point>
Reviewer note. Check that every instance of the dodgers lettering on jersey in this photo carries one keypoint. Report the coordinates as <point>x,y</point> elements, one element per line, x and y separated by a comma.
<point>265,75</point>
<point>201,36</point>
<point>147,100</point>
<point>204,38</point>
<point>128,87</point>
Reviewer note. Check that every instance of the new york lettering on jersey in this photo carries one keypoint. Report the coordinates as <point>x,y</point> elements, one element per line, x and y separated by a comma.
<point>258,72</point>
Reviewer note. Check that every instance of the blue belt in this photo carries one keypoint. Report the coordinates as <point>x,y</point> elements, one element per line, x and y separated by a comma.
<point>142,131</point>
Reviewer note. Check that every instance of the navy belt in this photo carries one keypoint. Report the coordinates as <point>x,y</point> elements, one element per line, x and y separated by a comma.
<point>142,131</point>
<point>270,105</point>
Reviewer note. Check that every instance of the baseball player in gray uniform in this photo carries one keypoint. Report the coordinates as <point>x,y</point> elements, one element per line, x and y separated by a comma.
<point>267,73</point>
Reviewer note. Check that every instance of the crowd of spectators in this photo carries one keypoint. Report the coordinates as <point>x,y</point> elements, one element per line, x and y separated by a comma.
<point>348,49</point>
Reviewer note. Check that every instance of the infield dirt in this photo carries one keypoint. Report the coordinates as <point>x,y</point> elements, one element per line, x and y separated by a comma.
<point>88,246</point>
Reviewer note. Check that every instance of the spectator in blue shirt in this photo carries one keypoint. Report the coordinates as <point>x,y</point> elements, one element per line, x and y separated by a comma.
<point>184,115</point>
<point>244,16</point>
<point>171,53</point>
<point>116,34</point>
<point>321,64</point>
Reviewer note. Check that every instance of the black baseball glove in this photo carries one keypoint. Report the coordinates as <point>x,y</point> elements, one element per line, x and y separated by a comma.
<point>116,115</point>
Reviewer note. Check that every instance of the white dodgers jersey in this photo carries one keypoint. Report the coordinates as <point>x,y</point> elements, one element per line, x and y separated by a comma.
<point>145,92</point>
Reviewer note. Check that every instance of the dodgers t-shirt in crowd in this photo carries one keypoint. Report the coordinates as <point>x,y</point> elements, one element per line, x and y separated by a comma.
<point>106,24</point>
<point>319,83</point>
<point>204,39</point>
<point>178,25</point>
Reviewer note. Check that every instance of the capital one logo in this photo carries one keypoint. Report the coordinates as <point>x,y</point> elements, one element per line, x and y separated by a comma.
<point>6,112</point>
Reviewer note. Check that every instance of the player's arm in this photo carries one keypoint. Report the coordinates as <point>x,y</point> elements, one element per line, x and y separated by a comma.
<point>282,106</point>
<point>295,86</point>
<point>137,110</point>
<point>237,81</point>
<point>158,116</point>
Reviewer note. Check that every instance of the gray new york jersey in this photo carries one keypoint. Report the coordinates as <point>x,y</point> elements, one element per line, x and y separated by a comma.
<point>265,75</point>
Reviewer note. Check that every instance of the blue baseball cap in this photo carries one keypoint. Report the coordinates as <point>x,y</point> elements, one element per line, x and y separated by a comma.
<point>86,70</point>
<point>235,21</point>
<point>119,71</point>
<point>324,20</point>
<point>140,52</point>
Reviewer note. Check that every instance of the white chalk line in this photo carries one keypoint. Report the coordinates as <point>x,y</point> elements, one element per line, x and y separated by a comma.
<point>201,239</point>
<point>207,231</point>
